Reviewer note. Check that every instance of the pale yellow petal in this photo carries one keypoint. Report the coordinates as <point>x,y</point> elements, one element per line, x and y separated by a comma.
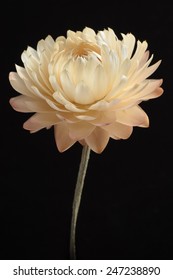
<point>140,50</point>
<point>28,61</point>
<point>39,121</point>
<point>45,46</point>
<point>67,86</point>
<point>67,116</point>
<point>37,92</point>
<point>156,93</point>
<point>79,69</point>
<point>62,138</point>
<point>146,72</point>
<point>54,105</point>
<point>89,34</point>
<point>154,90</point>
<point>145,91</point>
<point>32,64</point>
<point>107,37</point>
<point>27,104</point>
<point>80,130</point>
<point>129,41</point>
<point>100,86</point>
<point>73,108</point>
<point>117,89</point>
<point>85,118</point>
<point>144,59</point>
<point>104,118</point>
<point>58,96</point>
<point>83,94</point>
<point>118,130</point>
<point>100,105</point>
<point>111,64</point>
<point>54,83</point>
<point>39,83</point>
<point>133,116</point>
<point>97,140</point>
<point>27,80</point>
<point>18,84</point>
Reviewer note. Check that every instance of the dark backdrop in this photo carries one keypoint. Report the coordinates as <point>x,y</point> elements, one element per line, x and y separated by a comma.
<point>127,203</point>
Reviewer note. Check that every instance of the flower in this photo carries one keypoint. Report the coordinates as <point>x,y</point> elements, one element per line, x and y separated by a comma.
<point>87,85</point>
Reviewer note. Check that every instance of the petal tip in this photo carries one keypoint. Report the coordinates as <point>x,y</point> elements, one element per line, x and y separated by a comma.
<point>10,75</point>
<point>12,103</point>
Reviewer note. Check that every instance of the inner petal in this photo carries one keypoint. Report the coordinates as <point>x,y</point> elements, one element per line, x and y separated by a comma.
<point>83,94</point>
<point>84,48</point>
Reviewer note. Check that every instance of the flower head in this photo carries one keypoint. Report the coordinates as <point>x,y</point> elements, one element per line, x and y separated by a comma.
<point>87,85</point>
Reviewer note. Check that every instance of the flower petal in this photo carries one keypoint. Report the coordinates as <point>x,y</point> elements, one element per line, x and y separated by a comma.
<point>58,96</point>
<point>27,104</point>
<point>152,91</point>
<point>140,50</point>
<point>129,41</point>
<point>89,34</point>
<point>118,130</point>
<point>100,105</point>
<point>80,130</point>
<point>99,88</point>
<point>54,83</point>
<point>67,85</point>
<point>97,140</point>
<point>145,72</point>
<point>156,93</point>
<point>83,94</point>
<point>133,116</point>
<point>62,138</point>
<point>39,121</point>
<point>104,118</point>
<point>85,118</point>
<point>18,84</point>
<point>45,46</point>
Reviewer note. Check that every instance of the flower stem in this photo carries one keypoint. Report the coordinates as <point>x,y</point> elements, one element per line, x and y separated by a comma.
<point>77,198</point>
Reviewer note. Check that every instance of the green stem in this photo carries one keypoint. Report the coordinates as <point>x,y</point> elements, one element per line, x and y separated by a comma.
<point>77,198</point>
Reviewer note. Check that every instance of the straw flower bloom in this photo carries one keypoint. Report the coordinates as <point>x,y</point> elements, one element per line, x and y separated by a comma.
<point>87,85</point>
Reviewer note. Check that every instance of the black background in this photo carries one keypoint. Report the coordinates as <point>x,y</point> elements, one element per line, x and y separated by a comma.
<point>127,203</point>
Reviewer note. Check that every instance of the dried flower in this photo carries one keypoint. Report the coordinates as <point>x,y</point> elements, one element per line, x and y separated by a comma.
<point>88,86</point>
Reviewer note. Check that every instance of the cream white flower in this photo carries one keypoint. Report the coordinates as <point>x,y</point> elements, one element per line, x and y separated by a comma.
<point>87,85</point>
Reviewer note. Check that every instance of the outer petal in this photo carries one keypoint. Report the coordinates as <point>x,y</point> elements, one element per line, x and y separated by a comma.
<point>118,130</point>
<point>97,140</point>
<point>156,93</point>
<point>154,90</point>
<point>129,41</point>
<point>140,50</point>
<point>62,138</point>
<point>27,104</point>
<point>39,121</point>
<point>104,118</point>
<point>145,72</point>
<point>89,34</point>
<point>80,130</point>
<point>133,116</point>
<point>18,84</point>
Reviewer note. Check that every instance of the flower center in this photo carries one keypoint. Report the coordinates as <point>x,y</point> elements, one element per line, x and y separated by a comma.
<point>84,49</point>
